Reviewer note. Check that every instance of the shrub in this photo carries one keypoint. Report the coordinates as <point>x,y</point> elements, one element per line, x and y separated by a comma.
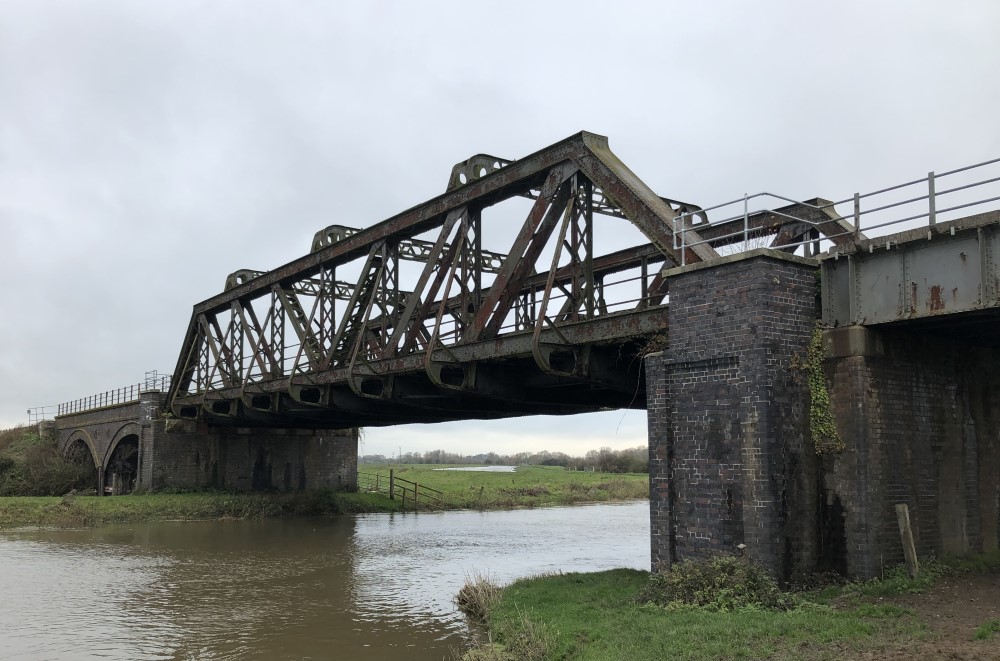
<point>478,596</point>
<point>723,583</point>
<point>31,466</point>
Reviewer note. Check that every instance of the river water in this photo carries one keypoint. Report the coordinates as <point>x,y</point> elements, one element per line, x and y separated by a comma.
<point>372,587</point>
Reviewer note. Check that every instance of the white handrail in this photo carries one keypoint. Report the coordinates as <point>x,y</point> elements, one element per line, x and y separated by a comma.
<point>683,223</point>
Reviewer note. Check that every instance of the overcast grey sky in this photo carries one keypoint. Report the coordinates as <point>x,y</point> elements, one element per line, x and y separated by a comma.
<point>148,149</point>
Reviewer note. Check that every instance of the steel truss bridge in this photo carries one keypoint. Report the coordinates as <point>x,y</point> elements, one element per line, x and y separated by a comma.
<point>413,320</point>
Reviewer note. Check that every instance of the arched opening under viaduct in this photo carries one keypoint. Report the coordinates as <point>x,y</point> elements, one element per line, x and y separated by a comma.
<point>123,467</point>
<point>79,453</point>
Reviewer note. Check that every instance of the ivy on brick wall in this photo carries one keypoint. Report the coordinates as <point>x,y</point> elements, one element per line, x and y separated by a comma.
<point>824,433</point>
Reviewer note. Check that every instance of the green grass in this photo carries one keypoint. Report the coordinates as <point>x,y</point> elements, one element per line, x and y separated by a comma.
<point>95,511</point>
<point>529,486</point>
<point>987,631</point>
<point>595,617</point>
<point>897,582</point>
<point>976,562</point>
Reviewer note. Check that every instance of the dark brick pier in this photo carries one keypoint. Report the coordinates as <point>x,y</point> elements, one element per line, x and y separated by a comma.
<point>731,457</point>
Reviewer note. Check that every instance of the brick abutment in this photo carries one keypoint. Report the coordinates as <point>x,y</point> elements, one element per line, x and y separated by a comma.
<point>732,465</point>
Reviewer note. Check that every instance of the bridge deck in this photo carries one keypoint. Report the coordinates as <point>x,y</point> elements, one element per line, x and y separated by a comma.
<point>943,277</point>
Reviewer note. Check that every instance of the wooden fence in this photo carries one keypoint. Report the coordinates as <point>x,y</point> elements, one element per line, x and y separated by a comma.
<point>416,495</point>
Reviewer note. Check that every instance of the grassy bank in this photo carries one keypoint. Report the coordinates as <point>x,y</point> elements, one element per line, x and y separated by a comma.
<point>529,486</point>
<point>596,617</point>
<point>601,616</point>
<point>94,511</point>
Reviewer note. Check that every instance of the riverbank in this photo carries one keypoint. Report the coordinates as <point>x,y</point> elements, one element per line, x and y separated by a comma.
<point>952,612</point>
<point>89,511</point>
<point>529,486</point>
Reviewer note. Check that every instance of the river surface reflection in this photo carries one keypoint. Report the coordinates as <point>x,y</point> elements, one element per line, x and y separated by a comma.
<point>373,587</point>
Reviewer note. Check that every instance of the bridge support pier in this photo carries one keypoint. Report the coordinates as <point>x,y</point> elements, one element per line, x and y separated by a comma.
<point>731,456</point>
<point>133,445</point>
<point>185,454</point>
<point>729,460</point>
<point>921,419</point>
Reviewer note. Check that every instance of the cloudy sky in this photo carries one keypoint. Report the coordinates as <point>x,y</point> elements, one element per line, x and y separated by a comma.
<point>148,149</point>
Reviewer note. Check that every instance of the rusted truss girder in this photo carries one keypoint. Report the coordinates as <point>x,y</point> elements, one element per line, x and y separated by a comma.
<point>410,249</point>
<point>478,334</point>
<point>650,213</point>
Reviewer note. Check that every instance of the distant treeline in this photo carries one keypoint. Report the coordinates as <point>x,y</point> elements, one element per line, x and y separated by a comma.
<point>629,460</point>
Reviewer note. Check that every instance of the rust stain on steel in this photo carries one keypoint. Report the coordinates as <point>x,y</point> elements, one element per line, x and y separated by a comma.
<point>913,297</point>
<point>936,302</point>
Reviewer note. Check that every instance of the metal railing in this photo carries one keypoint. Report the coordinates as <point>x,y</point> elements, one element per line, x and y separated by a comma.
<point>124,395</point>
<point>39,413</point>
<point>917,200</point>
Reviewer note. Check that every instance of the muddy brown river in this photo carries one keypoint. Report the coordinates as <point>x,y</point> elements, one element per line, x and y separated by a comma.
<point>373,587</point>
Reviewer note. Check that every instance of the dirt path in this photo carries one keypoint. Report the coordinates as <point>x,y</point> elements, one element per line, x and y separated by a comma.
<point>953,609</point>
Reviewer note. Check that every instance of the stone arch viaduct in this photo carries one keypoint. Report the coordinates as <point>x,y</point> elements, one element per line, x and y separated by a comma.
<point>129,446</point>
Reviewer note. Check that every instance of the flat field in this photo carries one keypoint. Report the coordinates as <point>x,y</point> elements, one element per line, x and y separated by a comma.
<point>528,486</point>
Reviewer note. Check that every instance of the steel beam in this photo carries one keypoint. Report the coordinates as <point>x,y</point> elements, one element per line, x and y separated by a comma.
<point>953,268</point>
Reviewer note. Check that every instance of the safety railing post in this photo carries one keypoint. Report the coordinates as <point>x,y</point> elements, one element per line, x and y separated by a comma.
<point>746,225</point>
<point>683,242</point>
<point>857,218</point>
<point>931,200</point>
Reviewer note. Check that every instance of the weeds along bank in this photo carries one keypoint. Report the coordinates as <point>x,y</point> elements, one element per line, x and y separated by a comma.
<point>87,511</point>
<point>31,466</point>
<point>728,608</point>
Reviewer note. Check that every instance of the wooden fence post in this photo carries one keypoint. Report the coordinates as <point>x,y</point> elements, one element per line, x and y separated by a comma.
<point>392,484</point>
<point>906,534</point>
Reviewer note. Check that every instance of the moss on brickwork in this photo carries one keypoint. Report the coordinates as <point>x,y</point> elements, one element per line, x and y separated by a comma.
<point>826,439</point>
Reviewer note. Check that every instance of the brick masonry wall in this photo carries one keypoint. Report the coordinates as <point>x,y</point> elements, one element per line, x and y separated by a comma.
<point>921,419</point>
<point>101,427</point>
<point>729,460</point>
<point>659,422</point>
<point>196,456</point>
<point>247,459</point>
